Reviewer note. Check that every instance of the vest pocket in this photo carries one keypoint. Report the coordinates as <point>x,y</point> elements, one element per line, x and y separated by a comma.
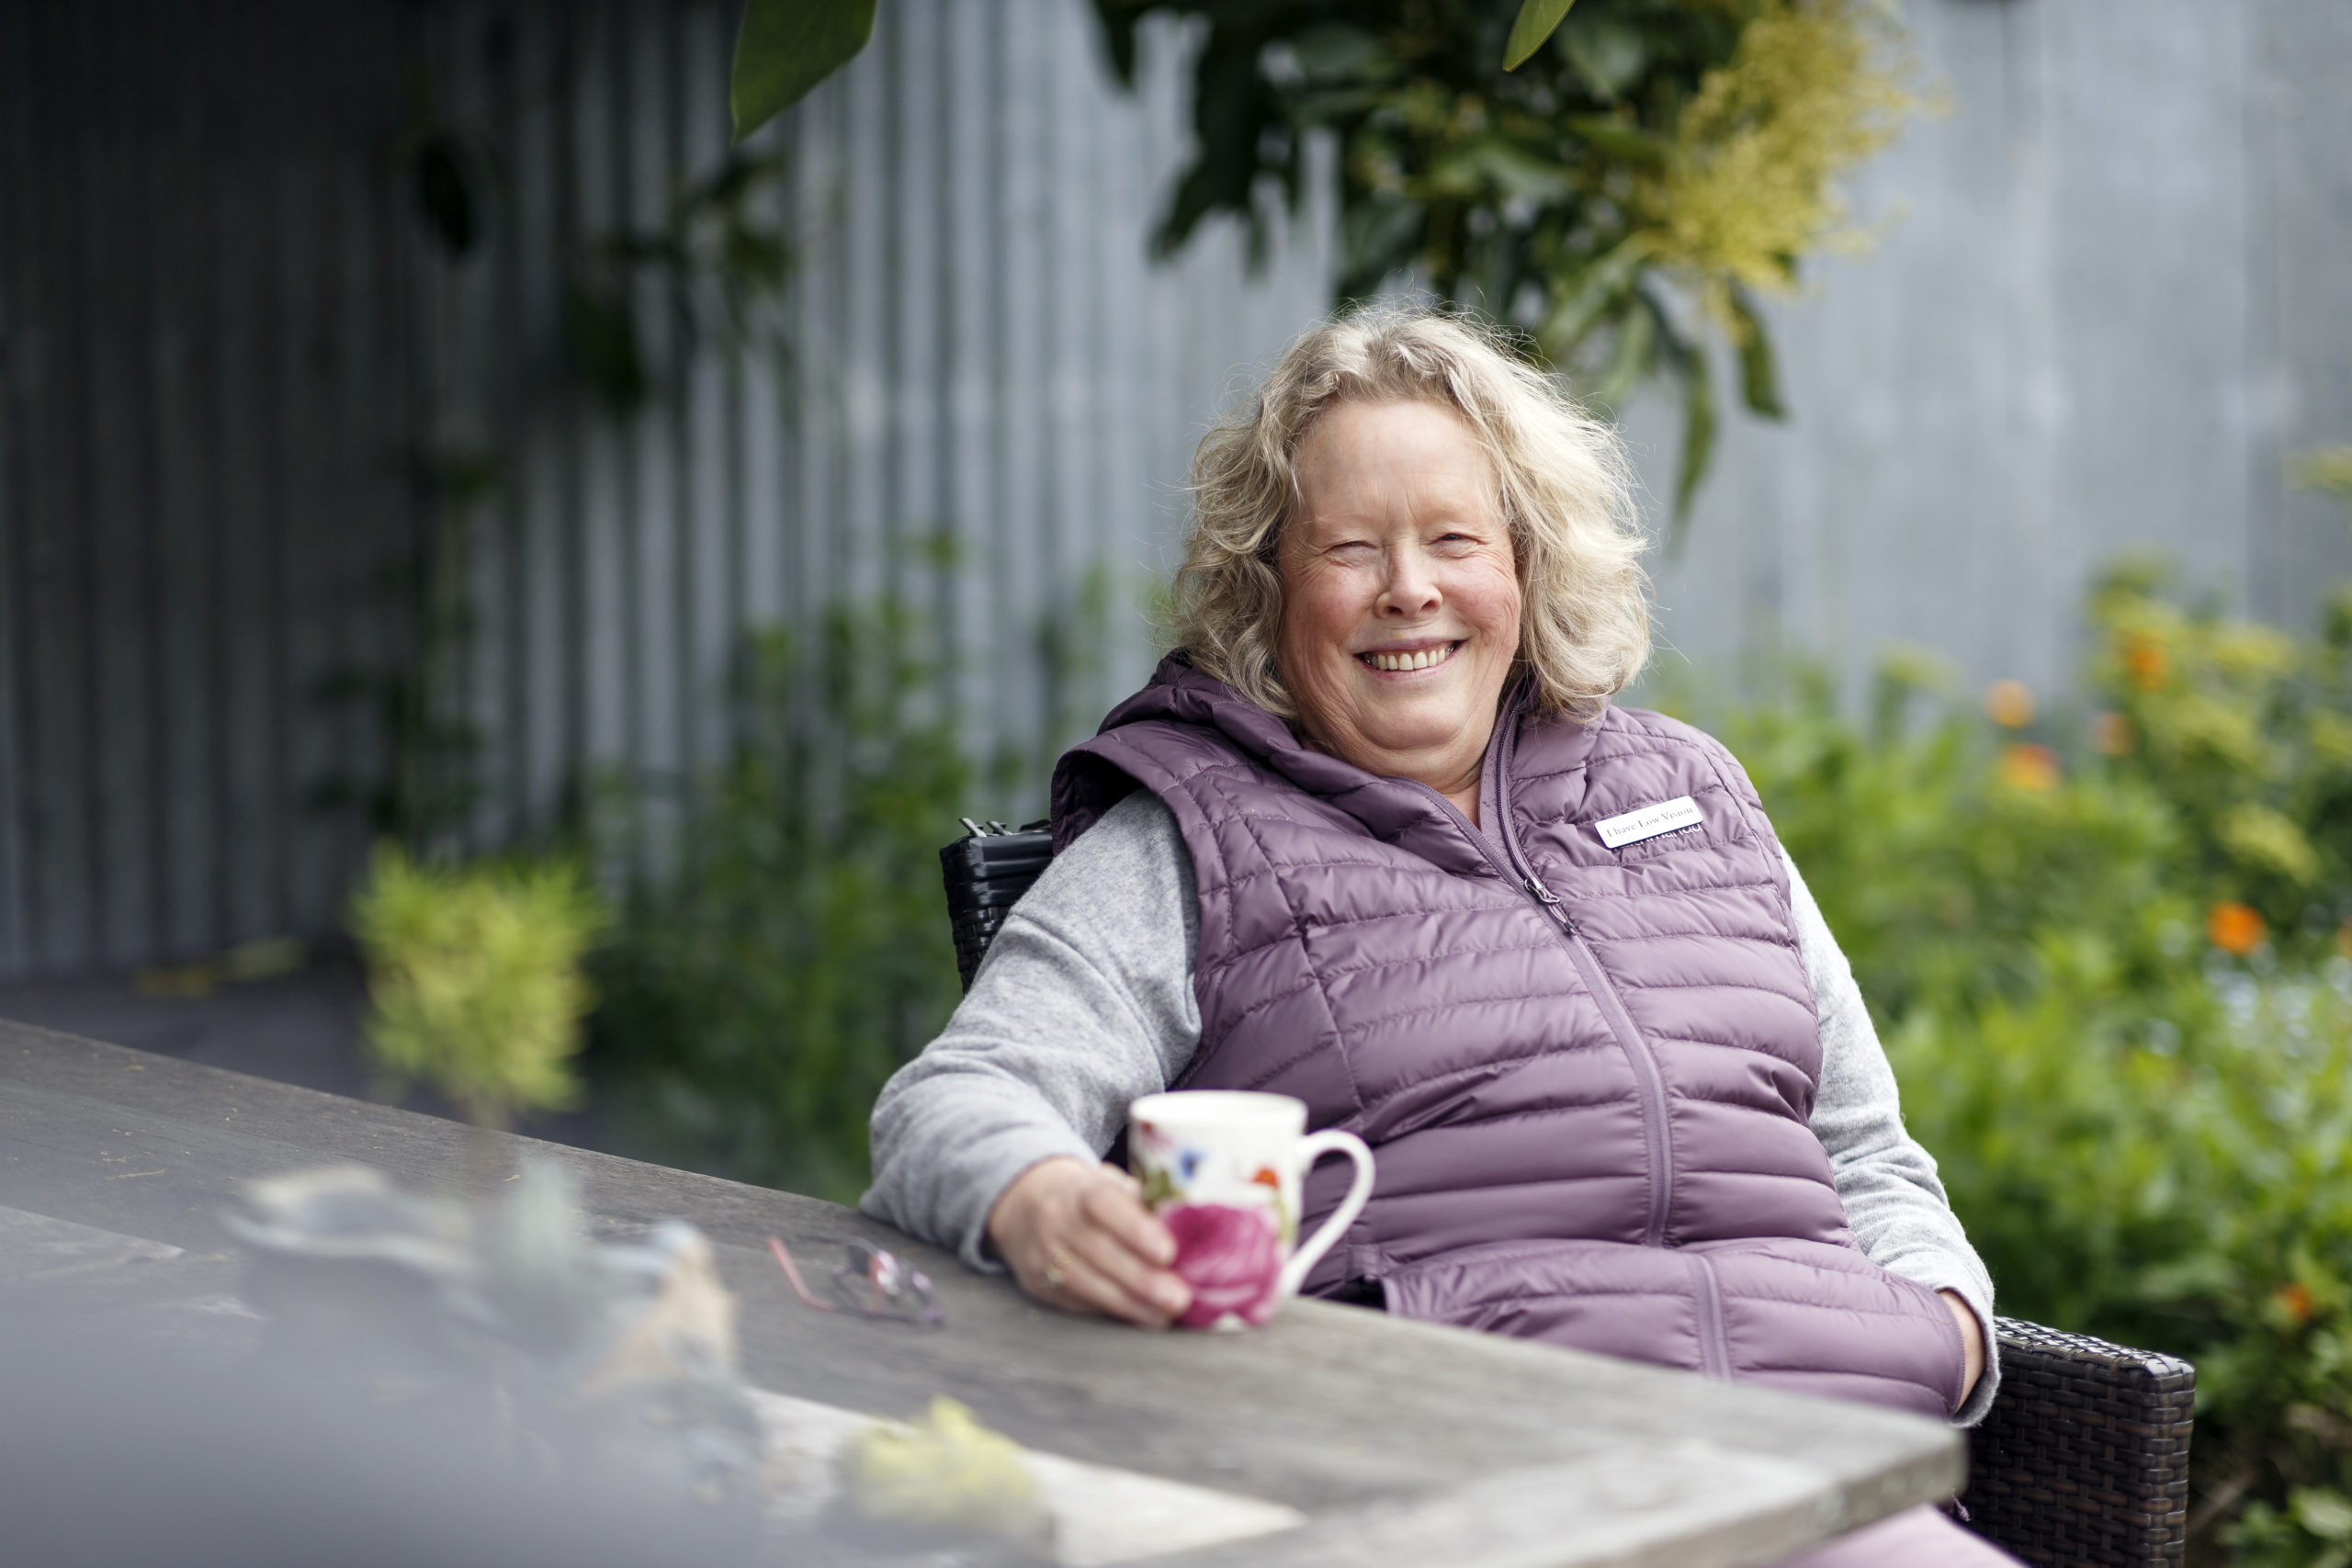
<point>1808,1317</point>
<point>1811,1317</point>
<point>1612,1298</point>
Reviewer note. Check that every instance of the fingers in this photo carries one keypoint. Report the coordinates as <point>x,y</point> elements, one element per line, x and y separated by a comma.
<point>1080,1239</point>
<point>1119,1208</point>
<point>1094,1281</point>
<point>1107,1244</point>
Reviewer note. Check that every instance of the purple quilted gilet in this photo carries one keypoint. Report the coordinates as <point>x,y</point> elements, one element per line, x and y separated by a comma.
<point>1585,1072</point>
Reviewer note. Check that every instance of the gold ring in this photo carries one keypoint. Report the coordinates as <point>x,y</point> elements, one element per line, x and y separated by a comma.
<point>1053,1273</point>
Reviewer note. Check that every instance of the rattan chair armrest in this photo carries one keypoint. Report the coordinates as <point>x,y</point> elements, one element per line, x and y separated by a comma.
<point>2084,1458</point>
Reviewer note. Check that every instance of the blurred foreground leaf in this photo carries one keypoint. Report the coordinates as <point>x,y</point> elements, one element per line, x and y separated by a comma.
<point>1538,19</point>
<point>786,47</point>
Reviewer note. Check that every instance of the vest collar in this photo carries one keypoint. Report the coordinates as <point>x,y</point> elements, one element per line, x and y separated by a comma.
<point>1399,811</point>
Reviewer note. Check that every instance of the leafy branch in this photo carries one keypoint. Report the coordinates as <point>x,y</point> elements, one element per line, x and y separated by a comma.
<point>1625,183</point>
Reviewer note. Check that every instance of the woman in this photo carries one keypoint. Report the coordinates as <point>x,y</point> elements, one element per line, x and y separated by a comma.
<point>1360,843</point>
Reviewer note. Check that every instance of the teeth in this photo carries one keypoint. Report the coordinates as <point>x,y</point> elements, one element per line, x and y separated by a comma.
<point>1418,660</point>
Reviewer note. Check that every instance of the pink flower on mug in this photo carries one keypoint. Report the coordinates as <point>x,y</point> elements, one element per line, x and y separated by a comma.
<point>1229,1257</point>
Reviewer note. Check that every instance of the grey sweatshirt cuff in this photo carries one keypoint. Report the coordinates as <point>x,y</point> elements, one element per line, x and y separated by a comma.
<point>1941,1271</point>
<point>960,1199</point>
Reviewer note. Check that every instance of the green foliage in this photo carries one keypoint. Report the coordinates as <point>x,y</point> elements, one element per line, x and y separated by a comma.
<point>2326,468</point>
<point>785,48</point>
<point>757,999</point>
<point>2248,732</point>
<point>720,263</point>
<point>1622,182</point>
<point>1624,194</point>
<point>475,976</point>
<point>1537,20</point>
<point>2119,1012</point>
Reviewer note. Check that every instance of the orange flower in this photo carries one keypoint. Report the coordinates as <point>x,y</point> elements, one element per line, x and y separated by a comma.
<point>2111,733</point>
<point>2294,1301</point>
<point>2009,703</point>
<point>2028,767</point>
<point>2234,928</point>
<point>2145,657</point>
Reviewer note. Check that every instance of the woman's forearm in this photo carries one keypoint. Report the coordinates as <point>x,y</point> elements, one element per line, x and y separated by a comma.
<point>1084,1003</point>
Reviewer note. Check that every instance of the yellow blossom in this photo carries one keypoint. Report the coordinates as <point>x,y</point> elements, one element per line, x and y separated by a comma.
<point>2027,767</point>
<point>1815,87</point>
<point>2009,703</point>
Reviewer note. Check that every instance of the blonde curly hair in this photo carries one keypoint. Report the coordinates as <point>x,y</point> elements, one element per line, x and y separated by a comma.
<point>1567,498</point>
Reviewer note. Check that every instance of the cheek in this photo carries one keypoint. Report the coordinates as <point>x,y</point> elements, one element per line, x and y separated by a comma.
<point>1490,600</point>
<point>1319,614</point>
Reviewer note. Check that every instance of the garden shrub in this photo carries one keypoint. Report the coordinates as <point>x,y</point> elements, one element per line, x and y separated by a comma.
<point>2104,953</point>
<point>761,990</point>
<point>474,976</point>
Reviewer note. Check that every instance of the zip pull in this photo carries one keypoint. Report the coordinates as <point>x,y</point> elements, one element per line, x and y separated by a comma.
<point>1550,900</point>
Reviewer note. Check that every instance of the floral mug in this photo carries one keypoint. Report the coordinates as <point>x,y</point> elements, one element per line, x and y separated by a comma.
<point>1222,1168</point>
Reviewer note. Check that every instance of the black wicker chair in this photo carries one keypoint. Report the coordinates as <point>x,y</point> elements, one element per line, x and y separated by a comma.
<point>2083,1461</point>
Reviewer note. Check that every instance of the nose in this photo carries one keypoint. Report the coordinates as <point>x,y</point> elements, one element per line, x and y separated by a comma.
<point>1411,588</point>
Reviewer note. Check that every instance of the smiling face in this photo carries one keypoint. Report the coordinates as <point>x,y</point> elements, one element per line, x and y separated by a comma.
<point>1401,605</point>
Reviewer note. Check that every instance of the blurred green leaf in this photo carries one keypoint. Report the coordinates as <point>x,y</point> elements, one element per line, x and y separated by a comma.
<point>445,194</point>
<point>1492,164</point>
<point>1630,357</point>
<point>1537,21</point>
<point>1624,140</point>
<point>785,48</point>
<point>1590,296</point>
<point>600,332</point>
<point>1698,434</point>
<point>1760,375</point>
<point>1608,55</point>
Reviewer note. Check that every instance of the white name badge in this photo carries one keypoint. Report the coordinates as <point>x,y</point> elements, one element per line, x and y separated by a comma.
<point>1648,822</point>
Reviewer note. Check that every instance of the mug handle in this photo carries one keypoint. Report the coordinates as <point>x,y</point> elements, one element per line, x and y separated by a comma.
<point>1312,1148</point>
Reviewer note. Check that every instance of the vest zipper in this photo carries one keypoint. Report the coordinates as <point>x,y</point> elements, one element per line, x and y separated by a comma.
<point>1647,1081</point>
<point>1649,1085</point>
<point>1714,1350</point>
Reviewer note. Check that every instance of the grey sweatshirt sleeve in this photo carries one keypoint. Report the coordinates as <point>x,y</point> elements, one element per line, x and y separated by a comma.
<point>1894,1201</point>
<point>1083,1002</point>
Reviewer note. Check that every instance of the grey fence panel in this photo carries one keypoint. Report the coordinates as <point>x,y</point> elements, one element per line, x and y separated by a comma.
<point>246,394</point>
<point>269,444</point>
<point>980,352</point>
<point>205,424</point>
<point>2111,300</point>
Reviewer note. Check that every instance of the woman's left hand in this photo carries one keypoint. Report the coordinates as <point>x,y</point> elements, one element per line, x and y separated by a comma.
<point>1972,1335</point>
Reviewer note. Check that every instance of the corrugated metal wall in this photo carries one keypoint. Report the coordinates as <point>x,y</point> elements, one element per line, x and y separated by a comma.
<point>243,390</point>
<point>2114,296</point>
<point>206,395</point>
<point>977,351</point>
<point>248,387</point>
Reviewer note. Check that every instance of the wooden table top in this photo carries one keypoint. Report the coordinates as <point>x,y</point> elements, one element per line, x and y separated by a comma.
<point>1401,1442</point>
